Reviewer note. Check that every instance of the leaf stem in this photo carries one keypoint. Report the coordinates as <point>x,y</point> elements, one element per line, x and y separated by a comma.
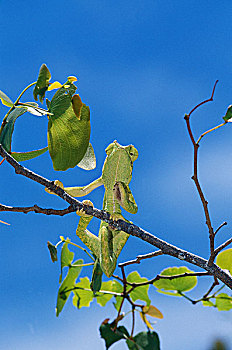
<point>208,131</point>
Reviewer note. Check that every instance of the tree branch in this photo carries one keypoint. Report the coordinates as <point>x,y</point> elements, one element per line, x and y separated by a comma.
<point>122,225</point>
<point>38,210</point>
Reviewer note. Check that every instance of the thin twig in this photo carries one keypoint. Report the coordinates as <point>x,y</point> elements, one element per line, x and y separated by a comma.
<point>38,210</point>
<point>122,225</point>
<point>219,228</point>
<point>214,284</point>
<point>222,246</point>
<point>141,257</point>
<point>195,175</point>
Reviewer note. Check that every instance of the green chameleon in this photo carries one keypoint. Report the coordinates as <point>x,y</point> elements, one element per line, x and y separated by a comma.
<point>116,176</point>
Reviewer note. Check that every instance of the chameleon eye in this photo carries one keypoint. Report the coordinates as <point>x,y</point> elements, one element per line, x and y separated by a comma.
<point>133,153</point>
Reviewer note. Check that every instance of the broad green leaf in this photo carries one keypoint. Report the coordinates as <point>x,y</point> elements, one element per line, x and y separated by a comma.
<point>68,136</point>
<point>22,156</point>
<point>110,286</point>
<point>223,302</point>
<point>88,162</point>
<point>7,127</point>
<point>228,116</point>
<point>66,258</point>
<point>96,280</point>
<point>55,85</point>
<point>144,341</point>
<point>139,293</point>
<point>224,260</point>
<point>82,297</point>
<point>152,311</point>
<point>207,303</point>
<point>42,83</point>
<point>52,251</point>
<point>181,284</point>
<point>5,99</point>
<point>67,285</point>
<point>111,335</point>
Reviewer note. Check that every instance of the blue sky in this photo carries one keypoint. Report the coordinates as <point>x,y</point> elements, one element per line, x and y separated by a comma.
<point>140,67</point>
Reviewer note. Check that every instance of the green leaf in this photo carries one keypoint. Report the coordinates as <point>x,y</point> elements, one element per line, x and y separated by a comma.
<point>68,136</point>
<point>52,251</point>
<point>96,280</point>
<point>139,293</point>
<point>207,303</point>
<point>224,260</point>
<point>228,116</point>
<point>110,286</point>
<point>22,156</point>
<point>181,284</point>
<point>110,335</point>
<point>67,285</point>
<point>223,302</point>
<point>144,341</point>
<point>7,127</point>
<point>42,83</point>
<point>88,162</point>
<point>66,258</point>
<point>5,99</point>
<point>82,297</point>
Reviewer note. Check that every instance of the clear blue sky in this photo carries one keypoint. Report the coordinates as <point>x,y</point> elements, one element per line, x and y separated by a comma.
<point>140,66</point>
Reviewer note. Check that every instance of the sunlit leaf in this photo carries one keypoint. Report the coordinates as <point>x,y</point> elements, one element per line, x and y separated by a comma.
<point>181,284</point>
<point>55,85</point>
<point>88,162</point>
<point>144,341</point>
<point>139,293</point>
<point>52,251</point>
<point>152,311</point>
<point>110,286</point>
<point>82,297</point>
<point>66,258</point>
<point>224,260</point>
<point>5,99</point>
<point>207,303</point>
<point>67,285</point>
<point>7,127</point>
<point>22,156</point>
<point>223,302</point>
<point>42,83</point>
<point>112,335</point>
<point>68,136</point>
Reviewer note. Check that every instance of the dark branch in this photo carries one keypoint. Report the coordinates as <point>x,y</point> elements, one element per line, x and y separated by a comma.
<point>38,210</point>
<point>141,257</point>
<point>122,225</point>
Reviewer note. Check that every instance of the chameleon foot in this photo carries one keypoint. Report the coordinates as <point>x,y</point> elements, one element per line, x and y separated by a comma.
<point>58,184</point>
<point>81,212</point>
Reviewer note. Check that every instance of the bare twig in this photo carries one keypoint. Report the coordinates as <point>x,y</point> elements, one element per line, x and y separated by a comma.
<point>141,257</point>
<point>38,210</point>
<point>219,228</point>
<point>195,175</point>
<point>122,225</point>
<point>222,246</point>
<point>214,284</point>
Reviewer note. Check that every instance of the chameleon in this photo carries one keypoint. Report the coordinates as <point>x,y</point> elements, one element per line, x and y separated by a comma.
<point>116,176</point>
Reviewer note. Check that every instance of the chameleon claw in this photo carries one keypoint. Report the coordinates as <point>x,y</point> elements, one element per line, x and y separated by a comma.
<point>81,212</point>
<point>58,184</point>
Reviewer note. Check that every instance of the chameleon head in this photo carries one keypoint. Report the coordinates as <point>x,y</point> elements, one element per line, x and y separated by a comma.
<point>118,164</point>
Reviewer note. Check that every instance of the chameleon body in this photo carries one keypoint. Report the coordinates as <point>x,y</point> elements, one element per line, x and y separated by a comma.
<point>116,176</point>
